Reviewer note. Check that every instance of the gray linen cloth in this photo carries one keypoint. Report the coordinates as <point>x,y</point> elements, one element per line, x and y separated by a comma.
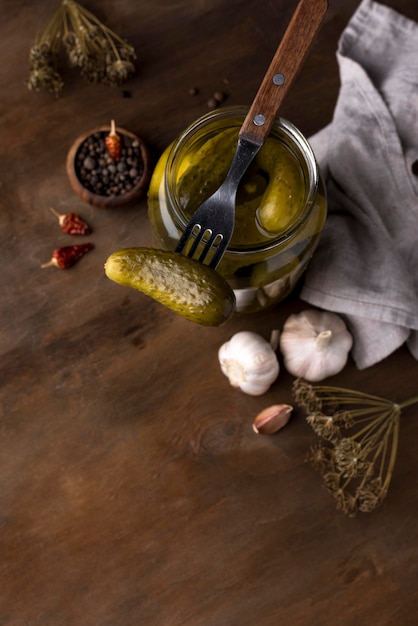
<point>366,265</point>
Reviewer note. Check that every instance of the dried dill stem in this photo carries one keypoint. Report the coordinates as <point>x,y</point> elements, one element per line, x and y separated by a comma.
<point>360,434</point>
<point>101,55</point>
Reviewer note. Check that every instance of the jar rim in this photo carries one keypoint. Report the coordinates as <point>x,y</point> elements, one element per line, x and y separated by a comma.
<point>281,125</point>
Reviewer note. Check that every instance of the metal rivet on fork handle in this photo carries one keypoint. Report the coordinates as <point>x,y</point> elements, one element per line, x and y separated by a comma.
<point>278,79</point>
<point>259,119</point>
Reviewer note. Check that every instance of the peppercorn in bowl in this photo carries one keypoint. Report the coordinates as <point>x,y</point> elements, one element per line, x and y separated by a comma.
<point>109,167</point>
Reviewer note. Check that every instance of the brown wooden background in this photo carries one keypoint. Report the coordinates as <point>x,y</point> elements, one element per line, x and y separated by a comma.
<point>133,491</point>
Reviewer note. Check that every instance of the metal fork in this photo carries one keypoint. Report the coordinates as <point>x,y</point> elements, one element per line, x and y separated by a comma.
<point>211,226</point>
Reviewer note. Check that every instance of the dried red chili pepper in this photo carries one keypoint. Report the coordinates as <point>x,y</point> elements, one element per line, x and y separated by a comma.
<point>71,223</point>
<point>67,256</point>
<point>113,143</point>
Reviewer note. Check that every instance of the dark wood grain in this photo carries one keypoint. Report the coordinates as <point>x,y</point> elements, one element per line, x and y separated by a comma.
<point>133,490</point>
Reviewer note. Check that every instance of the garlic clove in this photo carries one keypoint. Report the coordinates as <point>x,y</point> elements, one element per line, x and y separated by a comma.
<point>272,419</point>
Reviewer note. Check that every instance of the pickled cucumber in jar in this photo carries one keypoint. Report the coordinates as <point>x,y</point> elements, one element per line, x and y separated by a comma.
<point>269,198</point>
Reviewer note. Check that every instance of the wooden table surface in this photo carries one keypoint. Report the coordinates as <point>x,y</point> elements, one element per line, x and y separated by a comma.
<point>133,490</point>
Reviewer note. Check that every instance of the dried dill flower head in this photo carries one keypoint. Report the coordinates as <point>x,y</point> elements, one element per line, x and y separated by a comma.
<point>359,434</point>
<point>100,54</point>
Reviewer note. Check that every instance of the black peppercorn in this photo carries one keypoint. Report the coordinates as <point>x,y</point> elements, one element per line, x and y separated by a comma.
<point>100,174</point>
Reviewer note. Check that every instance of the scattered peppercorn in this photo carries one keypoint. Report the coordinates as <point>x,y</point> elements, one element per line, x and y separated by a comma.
<point>100,174</point>
<point>212,103</point>
<point>193,91</point>
<point>71,223</point>
<point>113,142</point>
<point>219,96</point>
<point>67,256</point>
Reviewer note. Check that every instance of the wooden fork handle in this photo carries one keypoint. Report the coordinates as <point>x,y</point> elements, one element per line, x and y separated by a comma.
<point>284,67</point>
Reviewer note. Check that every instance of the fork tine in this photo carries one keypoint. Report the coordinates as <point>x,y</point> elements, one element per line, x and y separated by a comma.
<point>186,236</point>
<point>208,244</point>
<point>195,235</point>
<point>218,254</point>
<point>198,237</point>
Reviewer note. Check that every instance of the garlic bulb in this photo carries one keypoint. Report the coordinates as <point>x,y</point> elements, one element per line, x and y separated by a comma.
<point>250,362</point>
<point>315,344</point>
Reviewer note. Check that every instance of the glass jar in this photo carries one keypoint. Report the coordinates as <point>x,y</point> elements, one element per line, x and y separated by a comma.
<point>262,266</point>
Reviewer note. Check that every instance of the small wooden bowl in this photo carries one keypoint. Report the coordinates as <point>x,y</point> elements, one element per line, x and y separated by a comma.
<point>114,199</point>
